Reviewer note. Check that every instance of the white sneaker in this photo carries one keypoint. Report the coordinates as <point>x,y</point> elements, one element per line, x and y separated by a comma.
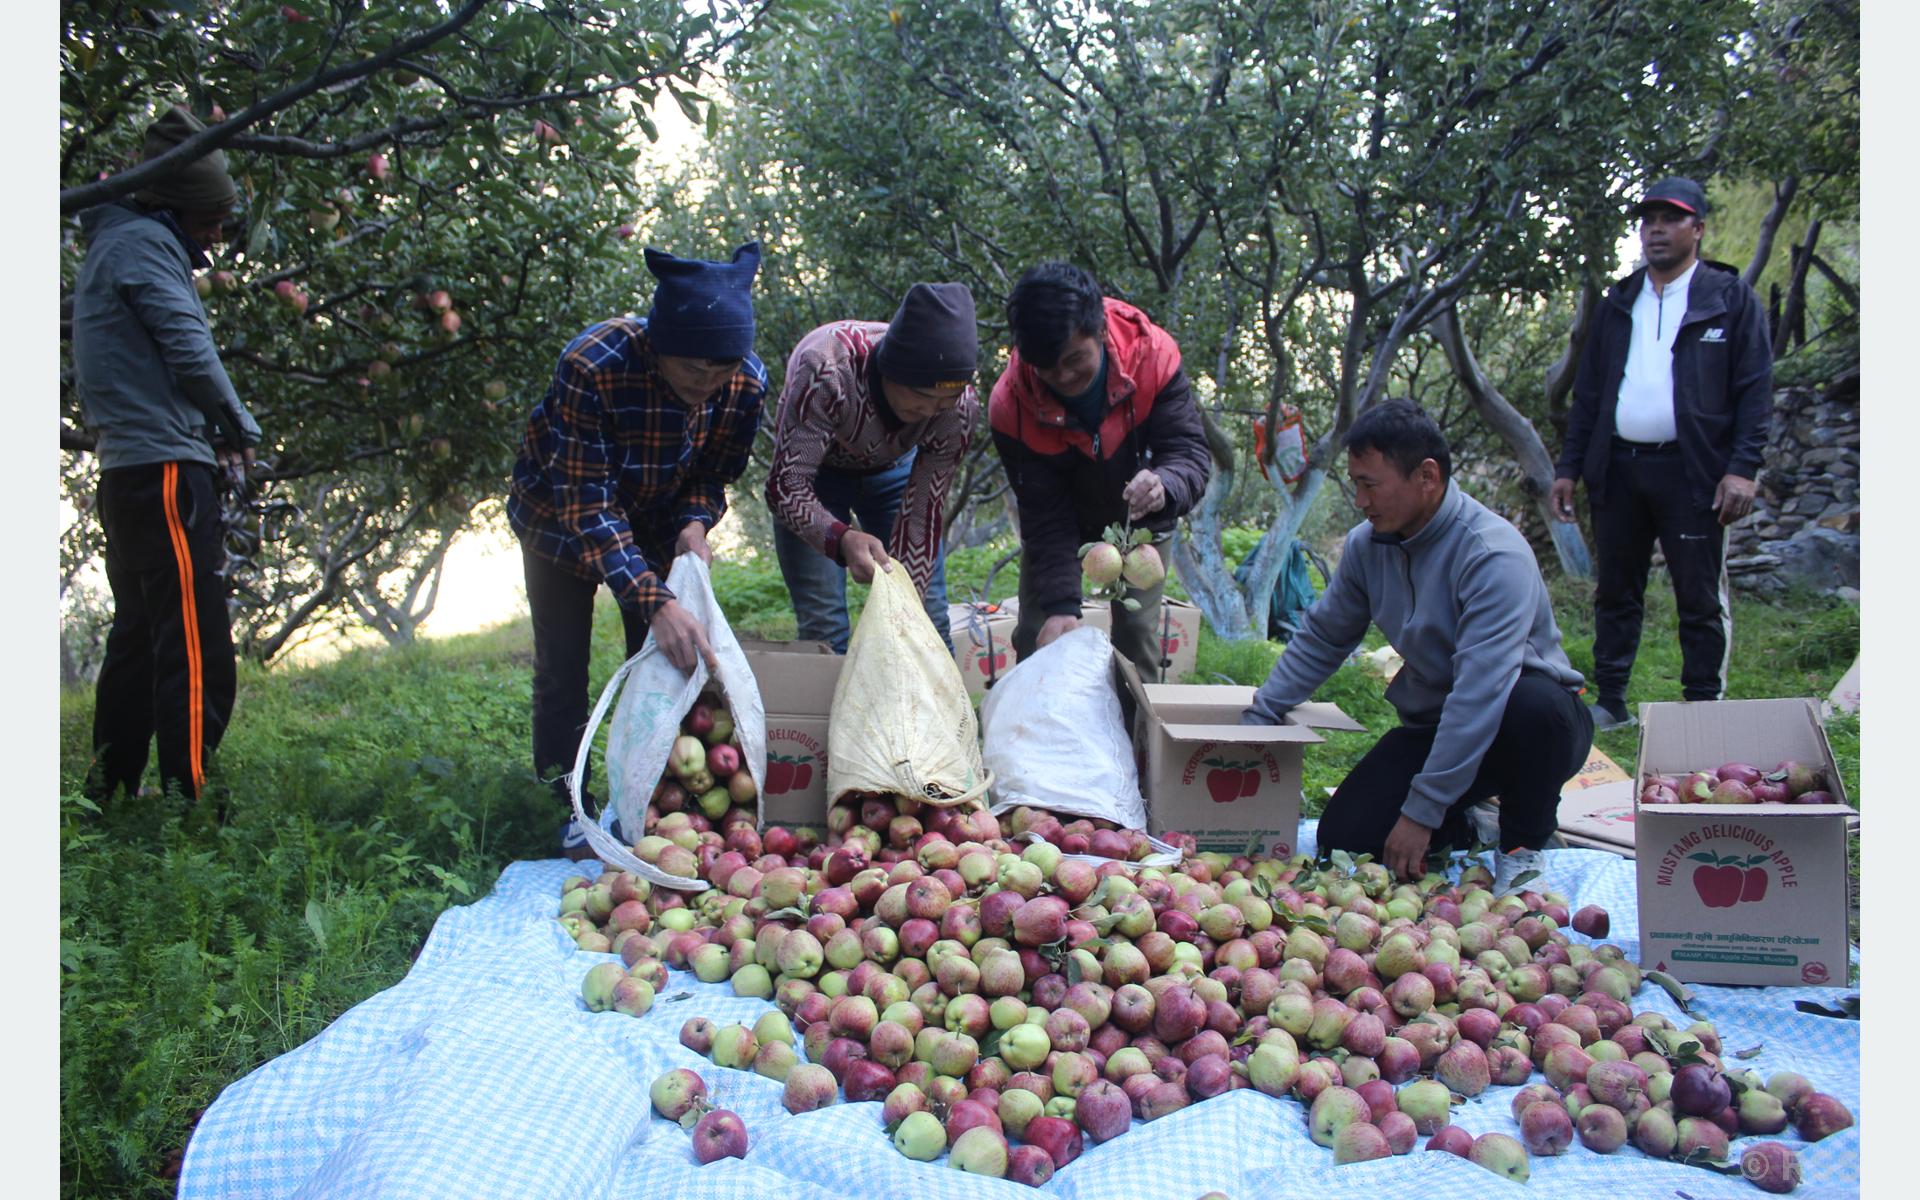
<point>1510,866</point>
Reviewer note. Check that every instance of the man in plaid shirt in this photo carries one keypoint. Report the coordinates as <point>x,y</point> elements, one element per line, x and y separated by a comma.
<point>624,466</point>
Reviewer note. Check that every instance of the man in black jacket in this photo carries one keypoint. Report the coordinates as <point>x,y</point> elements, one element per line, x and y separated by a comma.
<point>1095,422</point>
<point>1669,421</point>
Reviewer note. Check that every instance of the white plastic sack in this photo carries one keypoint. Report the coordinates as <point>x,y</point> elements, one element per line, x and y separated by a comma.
<point>1055,736</point>
<point>902,722</point>
<point>656,695</point>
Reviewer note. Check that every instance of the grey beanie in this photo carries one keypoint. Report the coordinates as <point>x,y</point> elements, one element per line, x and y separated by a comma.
<point>201,186</point>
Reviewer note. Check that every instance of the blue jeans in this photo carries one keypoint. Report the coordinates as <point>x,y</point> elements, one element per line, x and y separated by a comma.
<point>818,585</point>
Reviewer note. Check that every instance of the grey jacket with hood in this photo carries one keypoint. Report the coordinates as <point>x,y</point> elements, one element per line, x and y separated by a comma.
<point>151,384</point>
<point>1464,604</point>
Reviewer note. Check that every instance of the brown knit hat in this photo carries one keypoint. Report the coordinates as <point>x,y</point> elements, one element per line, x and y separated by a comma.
<point>201,186</point>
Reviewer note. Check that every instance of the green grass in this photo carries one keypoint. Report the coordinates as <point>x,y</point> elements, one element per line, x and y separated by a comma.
<point>371,793</point>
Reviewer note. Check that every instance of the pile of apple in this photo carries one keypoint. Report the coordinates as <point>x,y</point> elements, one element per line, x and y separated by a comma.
<point>1790,782</point>
<point>1089,835</point>
<point>984,995</point>
<point>705,796</point>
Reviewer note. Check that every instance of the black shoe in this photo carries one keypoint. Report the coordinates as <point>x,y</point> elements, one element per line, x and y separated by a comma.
<point>1612,716</point>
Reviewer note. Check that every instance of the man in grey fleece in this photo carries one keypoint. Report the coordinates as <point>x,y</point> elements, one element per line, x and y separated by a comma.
<point>166,421</point>
<point>1488,703</point>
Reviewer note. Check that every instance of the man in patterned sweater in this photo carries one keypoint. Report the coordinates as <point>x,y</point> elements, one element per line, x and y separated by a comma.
<point>624,466</point>
<point>872,422</point>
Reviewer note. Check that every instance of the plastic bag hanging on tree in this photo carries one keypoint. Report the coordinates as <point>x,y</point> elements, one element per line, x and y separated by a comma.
<point>902,723</point>
<point>654,695</point>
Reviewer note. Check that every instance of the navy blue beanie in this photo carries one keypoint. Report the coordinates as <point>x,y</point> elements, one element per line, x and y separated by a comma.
<point>702,309</point>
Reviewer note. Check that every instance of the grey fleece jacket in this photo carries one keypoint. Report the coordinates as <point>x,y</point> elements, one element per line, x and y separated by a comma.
<point>151,384</point>
<point>1464,604</point>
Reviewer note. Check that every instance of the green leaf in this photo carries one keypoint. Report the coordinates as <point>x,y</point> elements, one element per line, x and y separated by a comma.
<point>1130,604</point>
<point>1141,536</point>
<point>317,921</point>
<point>1751,1051</point>
<point>1681,994</point>
<point>689,106</point>
<point>85,803</point>
<point>1343,860</point>
<point>1849,1009</point>
<point>1522,878</point>
<point>456,882</point>
<point>990,1045</point>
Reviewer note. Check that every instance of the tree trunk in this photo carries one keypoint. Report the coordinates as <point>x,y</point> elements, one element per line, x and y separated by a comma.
<point>1198,556</point>
<point>1769,226</point>
<point>1536,465</point>
<point>1793,314</point>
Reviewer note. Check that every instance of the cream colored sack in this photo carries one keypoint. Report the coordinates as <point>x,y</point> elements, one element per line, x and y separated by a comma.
<point>902,723</point>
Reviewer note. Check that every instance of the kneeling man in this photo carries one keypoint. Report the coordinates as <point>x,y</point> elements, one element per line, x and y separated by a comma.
<point>1488,703</point>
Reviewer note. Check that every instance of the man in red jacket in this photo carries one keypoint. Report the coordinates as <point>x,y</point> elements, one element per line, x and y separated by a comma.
<point>1096,424</point>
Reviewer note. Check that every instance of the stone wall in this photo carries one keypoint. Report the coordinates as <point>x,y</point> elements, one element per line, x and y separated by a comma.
<point>1805,528</point>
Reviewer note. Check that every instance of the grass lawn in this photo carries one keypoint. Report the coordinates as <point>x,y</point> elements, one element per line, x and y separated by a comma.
<point>371,793</point>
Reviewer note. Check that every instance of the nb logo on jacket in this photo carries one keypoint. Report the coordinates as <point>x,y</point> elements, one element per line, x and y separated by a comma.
<point>1716,334</point>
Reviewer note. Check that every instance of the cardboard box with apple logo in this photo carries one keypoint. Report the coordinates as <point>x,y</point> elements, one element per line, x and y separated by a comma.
<point>1741,893</point>
<point>982,642</point>
<point>796,688</point>
<point>983,638</point>
<point>1202,772</point>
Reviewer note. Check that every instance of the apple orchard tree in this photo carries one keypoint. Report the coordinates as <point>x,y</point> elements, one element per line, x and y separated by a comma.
<point>436,196</point>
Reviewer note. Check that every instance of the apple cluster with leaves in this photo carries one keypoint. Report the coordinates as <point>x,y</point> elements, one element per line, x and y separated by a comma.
<point>1120,560</point>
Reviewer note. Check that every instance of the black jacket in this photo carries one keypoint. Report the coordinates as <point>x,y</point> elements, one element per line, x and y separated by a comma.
<point>1722,383</point>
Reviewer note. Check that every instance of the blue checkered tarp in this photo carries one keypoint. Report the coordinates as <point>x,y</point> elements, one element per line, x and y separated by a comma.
<point>481,1075</point>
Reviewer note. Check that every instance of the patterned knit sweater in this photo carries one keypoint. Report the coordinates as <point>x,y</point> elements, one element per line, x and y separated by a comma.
<point>829,417</point>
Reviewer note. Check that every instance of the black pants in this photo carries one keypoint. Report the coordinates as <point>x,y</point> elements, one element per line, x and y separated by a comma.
<point>561,605</point>
<point>1646,499</point>
<point>1543,739</point>
<point>168,673</point>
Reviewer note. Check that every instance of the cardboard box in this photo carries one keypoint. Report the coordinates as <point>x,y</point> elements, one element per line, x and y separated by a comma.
<point>1203,773</point>
<point>1846,693</point>
<point>796,687</point>
<point>1744,894</point>
<point>1596,806</point>
<point>982,643</point>
<point>1179,632</point>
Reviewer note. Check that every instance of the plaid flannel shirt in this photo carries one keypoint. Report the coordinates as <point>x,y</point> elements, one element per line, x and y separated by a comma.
<point>613,465</point>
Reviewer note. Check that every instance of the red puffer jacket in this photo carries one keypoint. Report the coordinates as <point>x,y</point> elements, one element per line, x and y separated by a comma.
<point>1067,482</point>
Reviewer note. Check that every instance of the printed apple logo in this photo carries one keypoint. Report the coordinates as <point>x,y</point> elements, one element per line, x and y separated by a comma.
<point>992,660</point>
<point>1170,646</point>
<point>1230,781</point>
<point>1726,881</point>
<point>787,774</point>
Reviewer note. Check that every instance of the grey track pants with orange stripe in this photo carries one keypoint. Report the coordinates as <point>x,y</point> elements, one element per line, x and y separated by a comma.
<point>168,674</point>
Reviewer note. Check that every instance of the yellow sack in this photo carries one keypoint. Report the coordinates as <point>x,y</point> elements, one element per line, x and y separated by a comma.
<point>902,723</point>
